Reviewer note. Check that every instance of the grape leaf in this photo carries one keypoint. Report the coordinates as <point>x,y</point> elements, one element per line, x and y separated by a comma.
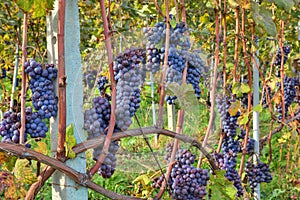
<point>258,108</point>
<point>41,148</point>
<point>221,187</point>
<point>284,4</point>
<point>3,157</point>
<point>263,18</point>
<point>24,172</point>
<point>70,141</point>
<point>245,88</point>
<point>243,119</point>
<point>185,95</point>
<point>25,5</point>
<point>236,89</point>
<point>234,108</point>
<point>143,179</point>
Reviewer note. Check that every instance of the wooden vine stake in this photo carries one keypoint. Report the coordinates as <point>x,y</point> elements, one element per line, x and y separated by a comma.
<point>23,91</point>
<point>112,121</point>
<point>61,81</point>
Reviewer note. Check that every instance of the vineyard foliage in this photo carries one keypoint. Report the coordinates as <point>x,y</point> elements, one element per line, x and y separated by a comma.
<point>181,73</point>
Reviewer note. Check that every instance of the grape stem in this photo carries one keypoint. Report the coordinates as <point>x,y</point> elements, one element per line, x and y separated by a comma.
<point>157,8</point>
<point>244,152</point>
<point>112,120</point>
<point>213,93</point>
<point>236,45</point>
<point>281,37</point>
<point>23,91</point>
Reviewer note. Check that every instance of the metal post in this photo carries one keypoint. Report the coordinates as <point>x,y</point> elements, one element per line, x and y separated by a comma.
<point>256,131</point>
<point>14,85</point>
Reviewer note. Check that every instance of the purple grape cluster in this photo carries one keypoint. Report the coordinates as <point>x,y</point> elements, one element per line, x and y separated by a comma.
<point>128,74</point>
<point>96,121</point>
<point>109,164</point>
<point>227,162</point>
<point>153,58</point>
<point>42,88</point>
<point>129,59</point>
<point>250,144</point>
<point>289,94</point>
<point>155,34</point>
<point>11,123</point>
<point>186,181</point>
<point>230,145</point>
<point>101,83</point>
<point>35,127</point>
<point>9,127</point>
<point>176,65</point>
<point>170,99</point>
<point>266,92</point>
<point>258,174</point>
<point>193,78</point>
<point>89,77</point>
<point>278,56</point>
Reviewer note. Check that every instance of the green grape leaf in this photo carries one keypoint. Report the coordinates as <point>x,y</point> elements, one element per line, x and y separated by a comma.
<point>70,141</point>
<point>221,187</point>
<point>263,17</point>
<point>173,22</point>
<point>41,148</point>
<point>236,89</point>
<point>25,5</point>
<point>258,108</point>
<point>39,8</point>
<point>245,88</point>
<point>185,95</point>
<point>287,5</point>
<point>243,119</point>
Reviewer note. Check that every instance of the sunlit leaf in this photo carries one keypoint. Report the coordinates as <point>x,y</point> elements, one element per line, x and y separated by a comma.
<point>143,179</point>
<point>284,4</point>
<point>41,148</point>
<point>3,157</point>
<point>263,17</point>
<point>245,88</point>
<point>70,141</point>
<point>234,108</point>
<point>258,108</point>
<point>24,172</point>
<point>25,5</point>
<point>243,119</point>
<point>221,187</point>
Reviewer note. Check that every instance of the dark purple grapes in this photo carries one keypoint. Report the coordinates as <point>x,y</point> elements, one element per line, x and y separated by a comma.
<point>102,82</point>
<point>278,57</point>
<point>258,174</point>
<point>170,99</point>
<point>289,94</point>
<point>186,181</point>
<point>42,88</point>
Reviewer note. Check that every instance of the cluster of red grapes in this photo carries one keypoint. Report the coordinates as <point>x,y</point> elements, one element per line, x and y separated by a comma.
<point>178,54</point>
<point>289,94</point>
<point>96,121</point>
<point>42,88</point>
<point>230,145</point>
<point>258,173</point>
<point>127,69</point>
<point>43,100</point>
<point>186,181</point>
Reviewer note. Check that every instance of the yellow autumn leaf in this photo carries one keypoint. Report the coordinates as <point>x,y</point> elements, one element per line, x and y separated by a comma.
<point>41,148</point>
<point>24,172</point>
<point>234,108</point>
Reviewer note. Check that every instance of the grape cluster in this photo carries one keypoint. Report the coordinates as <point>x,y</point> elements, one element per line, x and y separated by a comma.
<point>35,127</point>
<point>258,174</point>
<point>289,94</point>
<point>266,92</point>
<point>129,59</point>
<point>186,181</point>
<point>230,145</point>
<point>128,98</point>
<point>250,144</point>
<point>42,88</point>
<point>96,121</point>
<point>153,58</point>
<point>193,78</point>
<point>9,127</point>
<point>101,83</point>
<point>156,33</point>
<point>170,99</point>
<point>176,65</point>
<point>229,122</point>
<point>89,77</point>
<point>108,166</point>
<point>278,56</point>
